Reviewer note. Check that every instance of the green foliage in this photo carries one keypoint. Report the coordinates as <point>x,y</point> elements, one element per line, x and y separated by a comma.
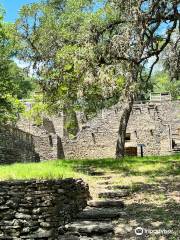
<point>58,33</point>
<point>23,85</point>
<point>9,104</point>
<point>70,123</point>
<point>10,108</point>
<point>38,110</point>
<point>85,56</point>
<point>14,84</point>
<point>163,83</point>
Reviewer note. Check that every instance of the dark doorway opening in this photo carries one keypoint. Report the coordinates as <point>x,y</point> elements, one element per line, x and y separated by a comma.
<point>131,151</point>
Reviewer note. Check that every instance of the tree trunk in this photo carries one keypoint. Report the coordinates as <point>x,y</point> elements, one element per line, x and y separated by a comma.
<point>127,101</point>
<point>126,111</point>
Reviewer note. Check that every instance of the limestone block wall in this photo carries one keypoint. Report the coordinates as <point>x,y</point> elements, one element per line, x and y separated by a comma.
<point>151,123</point>
<point>97,139</point>
<point>49,147</point>
<point>16,146</point>
<point>37,209</point>
<point>150,131</point>
<point>46,140</point>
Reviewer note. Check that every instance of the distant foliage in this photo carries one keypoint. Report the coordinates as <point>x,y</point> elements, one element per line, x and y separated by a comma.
<point>38,110</point>
<point>14,84</point>
<point>162,82</point>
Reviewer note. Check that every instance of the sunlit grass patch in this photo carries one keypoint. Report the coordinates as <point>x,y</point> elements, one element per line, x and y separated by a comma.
<point>44,170</point>
<point>132,169</point>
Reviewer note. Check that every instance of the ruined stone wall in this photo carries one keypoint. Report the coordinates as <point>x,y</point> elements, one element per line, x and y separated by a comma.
<point>45,138</point>
<point>150,130</point>
<point>151,124</point>
<point>38,209</point>
<point>97,139</point>
<point>16,146</point>
<point>49,147</point>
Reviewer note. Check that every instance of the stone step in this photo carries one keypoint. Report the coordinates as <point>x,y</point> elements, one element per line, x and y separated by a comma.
<point>106,203</point>
<point>90,171</point>
<point>117,187</point>
<point>100,214</point>
<point>69,237</point>
<point>90,227</point>
<point>104,237</point>
<point>114,194</point>
<point>107,236</point>
<point>102,177</point>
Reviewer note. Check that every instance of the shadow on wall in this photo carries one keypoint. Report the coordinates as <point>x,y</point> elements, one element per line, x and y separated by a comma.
<point>60,150</point>
<point>16,146</point>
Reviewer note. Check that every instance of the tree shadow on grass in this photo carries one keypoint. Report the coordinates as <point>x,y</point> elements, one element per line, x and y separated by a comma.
<point>130,166</point>
<point>152,218</point>
<point>159,212</point>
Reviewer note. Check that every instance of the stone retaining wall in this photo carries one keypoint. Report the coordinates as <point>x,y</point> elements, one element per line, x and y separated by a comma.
<point>16,146</point>
<point>38,209</point>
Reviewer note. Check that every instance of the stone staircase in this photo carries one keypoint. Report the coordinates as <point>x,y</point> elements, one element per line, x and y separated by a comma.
<point>98,221</point>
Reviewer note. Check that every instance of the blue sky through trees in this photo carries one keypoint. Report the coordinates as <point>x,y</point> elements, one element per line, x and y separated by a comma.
<point>12,7</point>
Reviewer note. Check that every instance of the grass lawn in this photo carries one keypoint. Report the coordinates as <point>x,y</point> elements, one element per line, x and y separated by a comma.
<point>147,167</point>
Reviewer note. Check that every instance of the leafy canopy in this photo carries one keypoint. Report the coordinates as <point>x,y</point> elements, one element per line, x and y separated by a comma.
<point>13,83</point>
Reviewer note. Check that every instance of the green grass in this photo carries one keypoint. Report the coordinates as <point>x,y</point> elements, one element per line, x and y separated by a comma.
<point>129,166</point>
<point>43,170</point>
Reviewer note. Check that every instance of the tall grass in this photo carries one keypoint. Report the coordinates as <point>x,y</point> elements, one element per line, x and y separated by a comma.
<point>44,170</point>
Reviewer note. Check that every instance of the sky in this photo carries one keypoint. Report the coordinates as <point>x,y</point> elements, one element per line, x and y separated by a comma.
<point>12,7</point>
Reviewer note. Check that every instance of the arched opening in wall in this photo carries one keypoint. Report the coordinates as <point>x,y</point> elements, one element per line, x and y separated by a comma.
<point>93,137</point>
<point>50,141</point>
<point>151,132</point>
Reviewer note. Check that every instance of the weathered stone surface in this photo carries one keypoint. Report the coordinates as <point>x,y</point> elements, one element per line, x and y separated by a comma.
<point>116,187</point>
<point>114,194</point>
<point>148,124</point>
<point>106,203</point>
<point>30,217</point>
<point>90,227</point>
<point>104,237</point>
<point>69,237</point>
<point>91,213</point>
<point>16,146</point>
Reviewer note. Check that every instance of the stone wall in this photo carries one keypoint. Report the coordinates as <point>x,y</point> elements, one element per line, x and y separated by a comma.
<point>152,124</point>
<point>38,209</point>
<point>46,138</point>
<point>98,137</point>
<point>150,130</point>
<point>16,146</point>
